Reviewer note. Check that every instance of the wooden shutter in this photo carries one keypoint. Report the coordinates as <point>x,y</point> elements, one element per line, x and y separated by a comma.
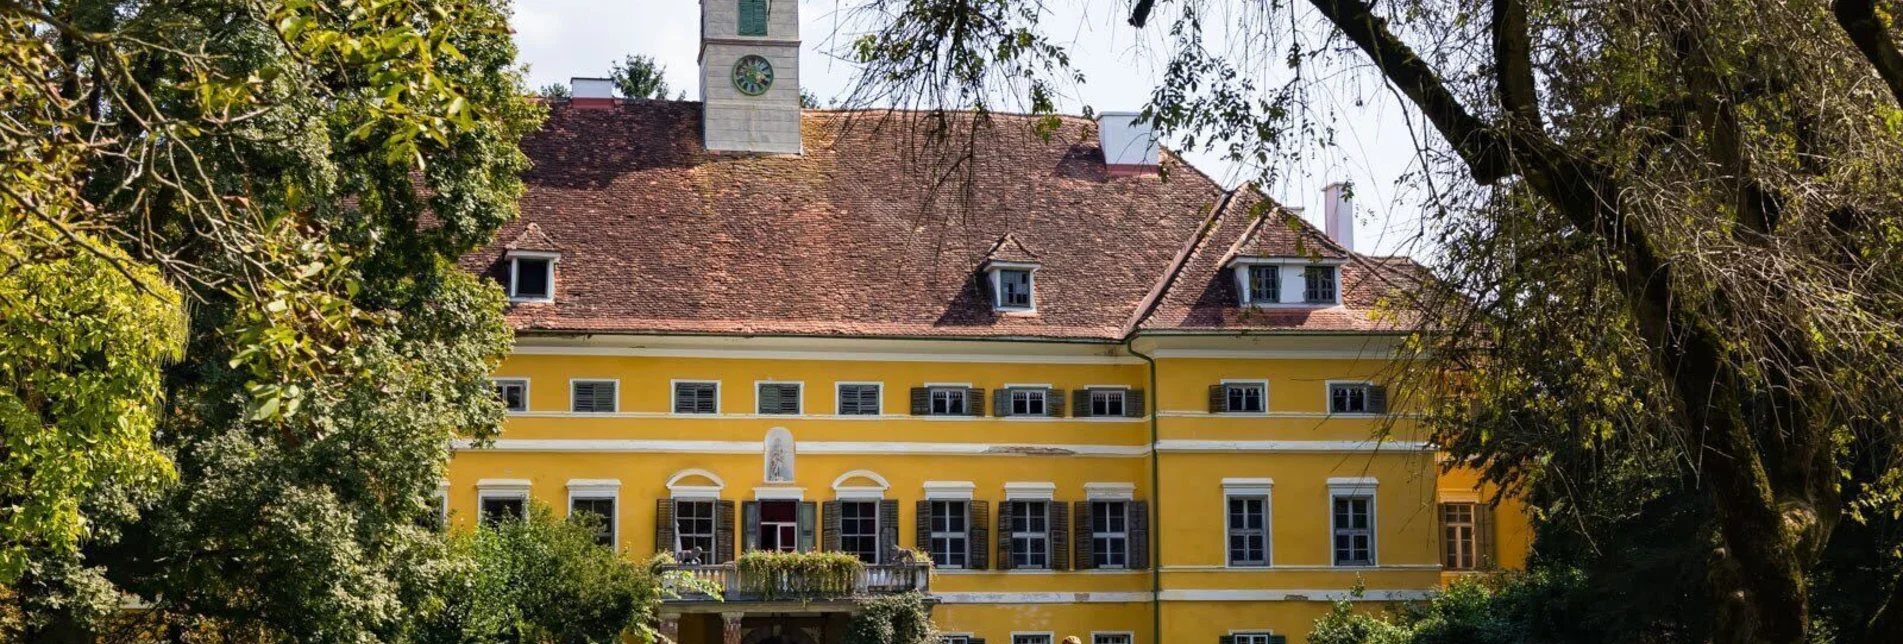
<point>750,525</point>
<point>975,401</point>
<point>664,526</point>
<point>767,399</point>
<point>1484,556</point>
<point>753,17</point>
<point>1139,528</point>
<point>975,640</point>
<point>723,531</point>
<point>808,519</point>
<point>1080,403</point>
<point>1226,639</point>
<point>1133,403</point>
<point>1377,399</point>
<point>591,397</point>
<point>1086,554</point>
<point>889,531</point>
<point>1005,511</point>
<point>922,520</point>
<point>921,401</point>
<point>977,521</point>
<point>1278,639</point>
<point>1218,399</point>
<point>829,529</point>
<point>1054,402</point>
<point>1001,402</point>
<point>1058,530</point>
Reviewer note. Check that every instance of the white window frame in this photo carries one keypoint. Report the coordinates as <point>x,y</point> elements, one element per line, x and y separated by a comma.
<point>954,638</point>
<point>1290,277</point>
<point>1334,278</point>
<point>517,489</point>
<point>513,380</point>
<point>1041,536</point>
<point>1254,637</point>
<point>1049,636</point>
<point>1328,391</point>
<point>1250,488</point>
<point>1450,544</point>
<point>441,497</point>
<point>1249,294</point>
<point>996,271</point>
<point>1043,397</point>
<point>1355,487</point>
<point>713,524</point>
<point>877,524</point>
<point>1264,384</point>
<point>800,399</point>
<point>878,399</point>
<point>1123,400</point>
<point>674,396</point>
<point>933,534</point>
<point>1129,637</point>
<point>963,391</point>
<point>1095,535</point>
<point>515,266</point>
<point>594,490</point>
<point>571,395</point>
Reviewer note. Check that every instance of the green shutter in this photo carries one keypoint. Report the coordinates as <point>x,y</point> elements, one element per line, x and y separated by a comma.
<point>723,531</point>
<point>664,526</point>
<point>1218,399</point>
<point>753,17</point>
<point>1133,403</point>
<point>829,530</point>
<point>1054,402</point>
<point>921,401</point>
<point>1086,557</point>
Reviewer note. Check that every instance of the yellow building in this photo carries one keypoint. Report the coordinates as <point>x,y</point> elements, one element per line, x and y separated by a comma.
<point>1106,396</point>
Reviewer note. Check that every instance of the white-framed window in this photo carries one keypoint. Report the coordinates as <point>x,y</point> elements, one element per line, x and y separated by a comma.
<point>1015,288</point>
<point>1319,284</point>
<point>1112,638</point>
<point>777,397</point>
<point>594,396</point>
<point>1352,522</point>
<point>1248,529</point>
<point>949,401</point>
<point>1245,397</point>
<point>859,529</point>
<point>502,501</point>
<point>1348,398</point>
<point>859,398</point>
<point>954,639</point>
<point>1029,401</point>
<point>1108,402</point>
<point>532,276</point>
<point>1030,534</point>
<point>1030,638</point>
<point>694,528</point>
<point>1459,520</point>
<point>696,397</point>
<point>601,506</point>
<point>513,392</point>
<point>1253,638</point>
<point>950,533</point>
<point>1110,534</point>
<point>1265,283</point>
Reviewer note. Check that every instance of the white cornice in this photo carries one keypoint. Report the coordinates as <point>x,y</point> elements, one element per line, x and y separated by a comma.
<point>641,446</point>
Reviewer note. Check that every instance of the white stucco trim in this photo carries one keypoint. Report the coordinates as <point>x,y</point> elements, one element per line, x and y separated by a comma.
<point>1119,491</point>
<point>1030,491</point>
<point>1248,486</point>
<point>1317,595</point>
<point>501,485</point>
<point>804,447</point>
<point>949,490</point>
<point>779,494</point>
<point>679,491</point>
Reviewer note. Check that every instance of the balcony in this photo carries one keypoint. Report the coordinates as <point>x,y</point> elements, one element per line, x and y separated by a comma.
<point>736,583</point>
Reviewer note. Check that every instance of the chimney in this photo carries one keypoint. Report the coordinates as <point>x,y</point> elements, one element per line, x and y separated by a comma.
<point>591,93</point>
<point>1129,145</point>
<point>1338,214</point>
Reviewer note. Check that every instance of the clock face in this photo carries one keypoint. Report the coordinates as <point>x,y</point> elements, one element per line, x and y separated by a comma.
<point>753,75</point>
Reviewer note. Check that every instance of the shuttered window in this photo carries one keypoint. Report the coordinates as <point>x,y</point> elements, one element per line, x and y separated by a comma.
<point>1110,534</point>
<point>948,401</point>
<point>753,17</point>
<point>859,529</point>
<point>859,400</point>
<point>1239,397</point>
<point>1029,523</point>
<point>1457,525</point>
<point>696,397</point>
<point>1110,638</point>
<point>1319,287</point>
<point>694,531</point>
<point>592,396</point>
<point>1031,638</point>
<point>950,534</point>
<point>1028,402</point>
<point>1107,402</point>
<point>779,398</point>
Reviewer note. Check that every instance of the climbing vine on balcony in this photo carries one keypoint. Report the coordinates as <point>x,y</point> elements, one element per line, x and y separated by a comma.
<point>777,575</point>
<point>892,619</point>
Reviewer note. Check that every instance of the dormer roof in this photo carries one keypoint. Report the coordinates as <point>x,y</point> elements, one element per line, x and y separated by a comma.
<point>1009,250</point>
<point>533,239</point>
<point>1271,231</point>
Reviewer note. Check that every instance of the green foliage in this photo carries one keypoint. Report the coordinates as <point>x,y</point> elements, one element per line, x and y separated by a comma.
<point>809,100</point>
<point>638,76</point>
<point>892,619</point>
<point>554,91</point>
<point>1507,608</point>
<point>775,575</point>
<point>541,580</point>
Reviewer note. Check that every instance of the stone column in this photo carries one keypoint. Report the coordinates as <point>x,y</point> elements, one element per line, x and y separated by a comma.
<point>670,627</point>
<point>732,622</point>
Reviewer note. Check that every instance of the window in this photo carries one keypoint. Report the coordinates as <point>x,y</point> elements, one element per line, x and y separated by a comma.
<point>1031,638</point>
<point>1458,520</point>
<point>950,532</point>
<point>858,400</point>
<point>1110,534</point>
<point>496,509</point>
<point>1351,398</point>
<point>1107,402</point>
<point>1028,402</point>
<point>779,526</point>
<point>954,639</point>
<point>694,530</point>
<point>592,396</point>
<point>1110,638</point>
<point>514,393</point>
<point>1319,287</point>
<point>1244,397</point>
<point>1030,534</point>
<point>948,401</point>
<point>602,509</point>
<point>1354,530</point>
<point>531,278</point>
<point>696,397</point>
<point>1014,289</point>
<point>1265,284</point>
<point>438,518</point>
<point>1248,530</point>
<point>778,398</point>
<point>1254,638</point>
<point>859,529</point>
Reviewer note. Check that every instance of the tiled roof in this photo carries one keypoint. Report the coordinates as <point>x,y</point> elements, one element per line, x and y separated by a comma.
<point>872,232</point>
<point>532,238</point>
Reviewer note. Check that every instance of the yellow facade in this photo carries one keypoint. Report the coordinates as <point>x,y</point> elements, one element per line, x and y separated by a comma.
<point>1177,456</point>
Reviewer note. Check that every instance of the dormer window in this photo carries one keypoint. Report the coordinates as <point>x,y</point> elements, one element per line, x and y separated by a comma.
<point>1319,285</point>
<point>1265,283</point>
<point>1286,282</point>
<point>532,276</point>
<point>1013,286</point>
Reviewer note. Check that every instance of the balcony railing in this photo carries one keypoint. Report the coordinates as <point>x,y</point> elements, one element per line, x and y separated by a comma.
<point>734,585</point>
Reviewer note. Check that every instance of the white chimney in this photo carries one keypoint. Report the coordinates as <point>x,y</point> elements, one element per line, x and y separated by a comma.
<point>1338,214</point>
<point>1129,145</point>
<point>591,92</point>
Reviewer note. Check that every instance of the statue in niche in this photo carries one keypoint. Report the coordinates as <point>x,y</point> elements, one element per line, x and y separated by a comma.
<point>779,456</point>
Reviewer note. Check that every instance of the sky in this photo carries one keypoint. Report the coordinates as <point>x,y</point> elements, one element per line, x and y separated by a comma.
<point>560,39</point>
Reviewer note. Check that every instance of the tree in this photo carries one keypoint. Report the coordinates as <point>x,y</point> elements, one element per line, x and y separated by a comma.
<point>809,100</point>
<point>1693,202</point>
<point>301,178</point>
<point>553,91</point>
<point>638,76</point>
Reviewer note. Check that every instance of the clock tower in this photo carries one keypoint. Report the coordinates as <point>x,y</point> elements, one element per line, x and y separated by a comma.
<point>749,75</point>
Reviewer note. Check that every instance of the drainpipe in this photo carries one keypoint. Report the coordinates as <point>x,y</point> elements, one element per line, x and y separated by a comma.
<point>1156,500</point>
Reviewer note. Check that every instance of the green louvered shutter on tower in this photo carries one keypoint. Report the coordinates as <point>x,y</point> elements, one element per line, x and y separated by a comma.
<point>753,17</point>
